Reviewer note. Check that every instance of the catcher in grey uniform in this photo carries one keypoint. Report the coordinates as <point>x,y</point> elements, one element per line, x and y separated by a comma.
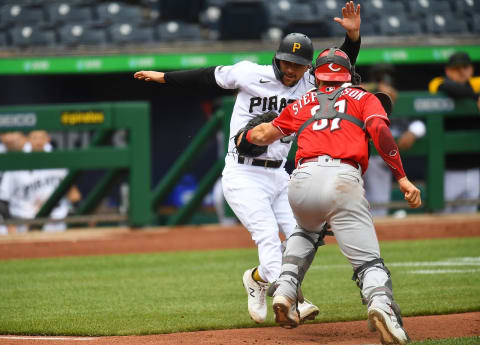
<point>254,182</point>
<point>333,125</point>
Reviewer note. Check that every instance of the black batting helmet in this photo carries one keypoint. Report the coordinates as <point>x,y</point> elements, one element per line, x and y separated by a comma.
<point>294,47</point>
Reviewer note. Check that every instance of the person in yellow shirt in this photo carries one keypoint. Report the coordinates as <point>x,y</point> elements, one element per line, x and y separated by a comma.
<point>459,81</point>
<point>462,171</point>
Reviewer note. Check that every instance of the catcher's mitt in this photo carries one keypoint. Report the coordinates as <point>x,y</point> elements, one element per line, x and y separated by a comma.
<point>246,148</point>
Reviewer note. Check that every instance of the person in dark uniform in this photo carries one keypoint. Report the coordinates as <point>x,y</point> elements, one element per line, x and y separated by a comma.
<point>462,171</point>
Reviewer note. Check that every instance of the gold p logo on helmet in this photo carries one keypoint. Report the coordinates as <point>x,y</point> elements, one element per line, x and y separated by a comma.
<point>296,46</point>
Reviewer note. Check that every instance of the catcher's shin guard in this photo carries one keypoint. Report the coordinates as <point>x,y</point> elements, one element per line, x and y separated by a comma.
<point>384,314</point>
<point>297,258</point>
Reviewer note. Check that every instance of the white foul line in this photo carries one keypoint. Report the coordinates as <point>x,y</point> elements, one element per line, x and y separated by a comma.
<point>45,338</point>
<point>442,271</point>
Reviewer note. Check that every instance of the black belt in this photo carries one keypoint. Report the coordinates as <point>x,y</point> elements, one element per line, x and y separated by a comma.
<point>261,162</point>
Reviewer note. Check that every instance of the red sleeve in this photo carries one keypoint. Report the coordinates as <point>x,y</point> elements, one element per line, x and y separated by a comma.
<point>284,121</point>
<point>386,146</point>
<point>373,109</point>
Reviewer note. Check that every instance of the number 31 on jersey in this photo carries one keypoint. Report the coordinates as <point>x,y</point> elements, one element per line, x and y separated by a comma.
<point>323,123</point>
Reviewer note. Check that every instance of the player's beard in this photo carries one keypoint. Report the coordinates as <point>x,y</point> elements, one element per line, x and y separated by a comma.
<point>290,80</point>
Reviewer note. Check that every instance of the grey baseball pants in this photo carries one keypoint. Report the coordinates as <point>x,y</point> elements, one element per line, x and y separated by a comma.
<point>331,191</point>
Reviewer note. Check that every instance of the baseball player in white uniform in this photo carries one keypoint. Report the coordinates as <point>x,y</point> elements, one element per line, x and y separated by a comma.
<point>26,191</point>
<point>256,188</point>
<point>12,141</point>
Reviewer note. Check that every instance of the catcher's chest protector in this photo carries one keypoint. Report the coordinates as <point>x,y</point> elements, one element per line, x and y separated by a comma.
<point>327,111</point>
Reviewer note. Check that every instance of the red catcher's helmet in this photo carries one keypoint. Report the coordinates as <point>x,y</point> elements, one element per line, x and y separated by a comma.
<point>333,65</point>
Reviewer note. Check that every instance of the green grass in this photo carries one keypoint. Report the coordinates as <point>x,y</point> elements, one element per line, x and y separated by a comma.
<point>185,291</point>
<point>454,341</point>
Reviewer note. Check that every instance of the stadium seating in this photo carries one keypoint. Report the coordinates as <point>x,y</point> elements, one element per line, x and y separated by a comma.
<point>20,14</point>
<point>242,20</point>
<point>178,31</point>
<point>123,33</point>
<point>27,36</point>
<point>180,10</point>
<point>117,12</point>
<point>65,12</point>
<point>327,9</point>
<point>464,7</point>
<point>476,23</point>
<point>77,34</point>
<point>391,25</point>
<point>3,39</point>
<point>74,22</point>
<point>281,12</point>
<point>440,23</point>
<point>313,28</point>
<point>423,7</point>
<point>380,8</point>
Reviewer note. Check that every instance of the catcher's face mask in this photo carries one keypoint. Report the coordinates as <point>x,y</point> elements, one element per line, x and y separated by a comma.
<point>333,65</point>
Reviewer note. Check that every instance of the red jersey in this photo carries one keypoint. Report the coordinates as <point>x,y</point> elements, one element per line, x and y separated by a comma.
<point>336,137</point>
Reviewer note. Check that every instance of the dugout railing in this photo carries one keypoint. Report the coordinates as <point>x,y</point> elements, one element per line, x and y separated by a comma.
<point>103,119</point>
<point>135,158</point>
<point>218,121</point>
<point>438,142</point>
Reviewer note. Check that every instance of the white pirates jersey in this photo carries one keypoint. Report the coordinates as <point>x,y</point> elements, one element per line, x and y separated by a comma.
<point>28,190</point>
<point>259,91</point>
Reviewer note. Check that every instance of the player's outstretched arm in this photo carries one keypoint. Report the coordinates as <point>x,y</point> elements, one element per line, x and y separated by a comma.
<point>199,80</point>
<point>410,192</point>
<point>158,77</point>
<point>261,135</point>
<point>351,20</point>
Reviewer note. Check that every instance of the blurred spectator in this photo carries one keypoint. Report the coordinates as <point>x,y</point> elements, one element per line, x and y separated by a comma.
<point>24,192</point>
<point>378,177</point>
<point>462,171</point>
<point>11,141</point>
<point>459,81</point>
<point>15,141</point>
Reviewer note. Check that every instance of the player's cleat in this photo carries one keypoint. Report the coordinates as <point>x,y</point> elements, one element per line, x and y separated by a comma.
<point>307,311</point>
<point>286,313</point>
<point>257,299</point>
<point>391,332</point>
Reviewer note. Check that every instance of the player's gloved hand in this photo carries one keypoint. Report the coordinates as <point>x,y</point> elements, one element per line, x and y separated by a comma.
<point>411,193</point>
<point>155,76</point>
<point>246,148</point>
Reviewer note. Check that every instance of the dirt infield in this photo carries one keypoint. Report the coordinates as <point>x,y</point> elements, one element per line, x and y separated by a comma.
<point>123,240</point>
<point>149,240</point>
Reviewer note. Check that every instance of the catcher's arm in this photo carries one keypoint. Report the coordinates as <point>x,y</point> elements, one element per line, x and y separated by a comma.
<point>411,193</point>
<point>261,135</point>
<point>388,150</point>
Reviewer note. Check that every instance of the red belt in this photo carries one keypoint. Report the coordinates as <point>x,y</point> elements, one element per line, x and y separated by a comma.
<point>342,160</point>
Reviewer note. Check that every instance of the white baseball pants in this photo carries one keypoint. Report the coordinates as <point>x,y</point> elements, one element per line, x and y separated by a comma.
<point>461,184</point>
<point>259,198</point>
